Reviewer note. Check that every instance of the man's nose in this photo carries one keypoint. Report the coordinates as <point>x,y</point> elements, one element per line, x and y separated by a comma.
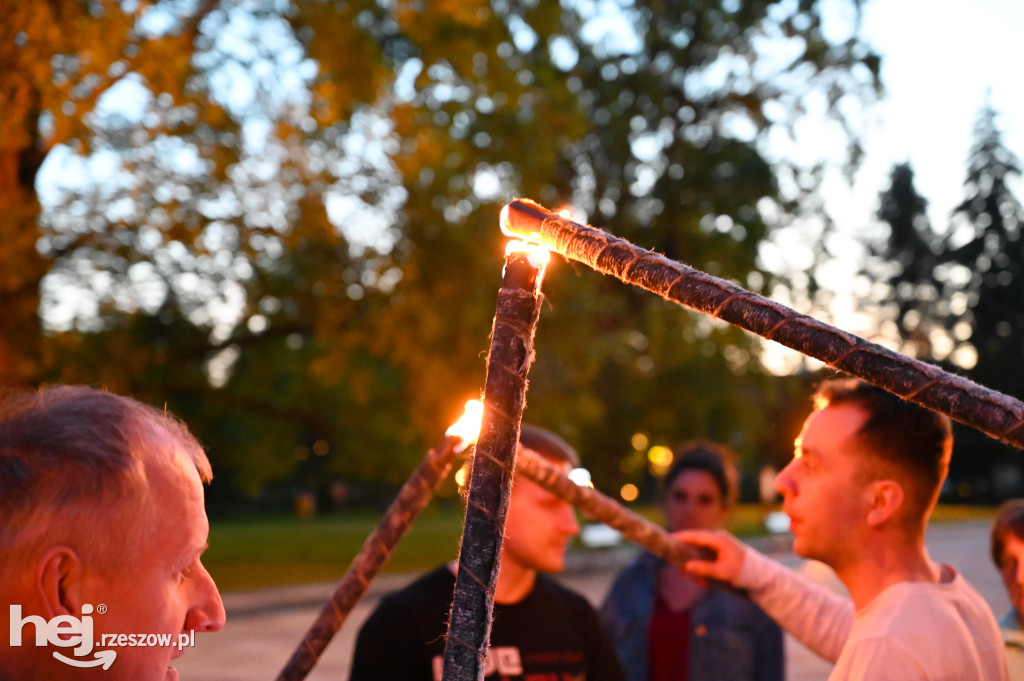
<point>784,481</point>
<point>207,610</point>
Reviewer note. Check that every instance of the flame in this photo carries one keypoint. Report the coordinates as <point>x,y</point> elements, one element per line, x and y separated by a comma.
<point>506,227</point>
<point>467,428</point>
<point>537,254</point>
<point>566,212</point>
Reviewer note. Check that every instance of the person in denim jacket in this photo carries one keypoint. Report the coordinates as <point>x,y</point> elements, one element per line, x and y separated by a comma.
<point>668,626</point>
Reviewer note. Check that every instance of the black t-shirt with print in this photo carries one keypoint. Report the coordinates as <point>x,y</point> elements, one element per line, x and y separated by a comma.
<point>551,635</point>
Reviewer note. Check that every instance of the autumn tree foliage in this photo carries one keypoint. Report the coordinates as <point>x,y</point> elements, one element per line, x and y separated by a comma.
<point>280,217</point>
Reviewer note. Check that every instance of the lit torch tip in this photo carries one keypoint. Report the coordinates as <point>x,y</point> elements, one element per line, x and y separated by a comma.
<point>522,218</point>
<point>467,428</point>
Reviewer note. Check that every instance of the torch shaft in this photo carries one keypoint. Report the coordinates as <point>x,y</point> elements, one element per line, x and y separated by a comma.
<point>415,494</point>
<point>603,509</point>
<point>996,414</point>
<point>508,363</point>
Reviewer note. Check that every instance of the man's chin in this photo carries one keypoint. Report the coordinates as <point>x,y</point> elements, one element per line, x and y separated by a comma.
<point>800,547</point>
<point>171,675</point>
<point>551,566</point>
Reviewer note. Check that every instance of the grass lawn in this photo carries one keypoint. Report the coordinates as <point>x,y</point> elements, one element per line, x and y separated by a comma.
<point>286,550</point>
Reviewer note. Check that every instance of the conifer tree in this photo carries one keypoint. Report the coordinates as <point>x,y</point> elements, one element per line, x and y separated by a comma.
<point>908,258</point>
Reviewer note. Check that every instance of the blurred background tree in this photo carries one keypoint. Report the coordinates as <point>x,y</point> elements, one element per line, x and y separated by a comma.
<point>279,217</point>
<point>955,296</point>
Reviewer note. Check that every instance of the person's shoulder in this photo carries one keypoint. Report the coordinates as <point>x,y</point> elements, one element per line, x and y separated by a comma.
<point>645,563</point>
<point>953,592</point>
<point>416,606</point>
<point>639,572</point>
<point>911,608</point>
<point>428,588</point>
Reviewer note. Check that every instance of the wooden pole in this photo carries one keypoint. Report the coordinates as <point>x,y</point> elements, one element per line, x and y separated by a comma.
<point>508,364</point>
<point>415,494</point>
<point>603,509</point>
<point>999,416</point>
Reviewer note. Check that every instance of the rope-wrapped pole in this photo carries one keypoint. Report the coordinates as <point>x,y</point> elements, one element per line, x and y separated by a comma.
<point>996,414</point>
<point>603,509</point>
<point>415,494</point>
<point>508,364</point>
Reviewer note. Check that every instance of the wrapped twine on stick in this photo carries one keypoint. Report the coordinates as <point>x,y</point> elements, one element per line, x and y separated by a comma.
<point>603,509</point>
<point>995,414</point>
<point>508,363</point>
<point>414,496</point>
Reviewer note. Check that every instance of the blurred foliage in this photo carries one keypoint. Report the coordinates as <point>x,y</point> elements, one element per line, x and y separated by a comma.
<point>956,293</point>
<point>279,218</point>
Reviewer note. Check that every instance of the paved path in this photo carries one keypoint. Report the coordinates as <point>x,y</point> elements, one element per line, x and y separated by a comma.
<point>265,625</point>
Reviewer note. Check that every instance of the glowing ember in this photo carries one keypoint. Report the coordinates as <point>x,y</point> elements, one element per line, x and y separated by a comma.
<point>537,254</point>
<point>568,212</point>
<point>513,223</point>
<point>467,428</point>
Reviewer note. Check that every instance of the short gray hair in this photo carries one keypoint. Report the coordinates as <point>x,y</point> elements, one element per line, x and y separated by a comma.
<point>71,459</point>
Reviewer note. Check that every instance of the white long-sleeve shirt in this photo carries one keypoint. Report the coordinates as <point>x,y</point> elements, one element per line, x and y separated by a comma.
<point>912,631</point>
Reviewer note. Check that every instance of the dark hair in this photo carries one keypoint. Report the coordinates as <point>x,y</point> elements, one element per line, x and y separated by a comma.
<point>539,440</point>
<point>547,444</point>
<point>71,457</point>
<point>915,440</point>
<point>1009,520</point>
<point>711,458</point>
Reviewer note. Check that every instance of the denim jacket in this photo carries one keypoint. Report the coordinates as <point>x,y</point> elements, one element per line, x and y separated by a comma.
<point>731,639</point>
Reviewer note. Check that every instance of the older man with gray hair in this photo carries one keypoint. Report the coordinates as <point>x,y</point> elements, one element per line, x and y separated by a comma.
<point>102,525</point>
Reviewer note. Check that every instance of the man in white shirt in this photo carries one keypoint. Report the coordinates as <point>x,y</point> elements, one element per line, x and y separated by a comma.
<point>864,479</point>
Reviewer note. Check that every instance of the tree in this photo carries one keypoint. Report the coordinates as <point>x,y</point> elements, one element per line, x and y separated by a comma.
<point>299,230</point>
<point>907,259</point>
<point>984,283</point>
<point>956,295</point>
<point>987,256</point>
<point>647,142</point>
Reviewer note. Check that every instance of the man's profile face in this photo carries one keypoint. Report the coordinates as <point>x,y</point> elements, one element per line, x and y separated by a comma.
<point>163,587</point>
<point>820,488</point>
<point>538,527</point>
<point>1012,571</point>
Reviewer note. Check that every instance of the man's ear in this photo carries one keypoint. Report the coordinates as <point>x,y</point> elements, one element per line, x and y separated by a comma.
<point>60,581</point>
<point>885,497</point>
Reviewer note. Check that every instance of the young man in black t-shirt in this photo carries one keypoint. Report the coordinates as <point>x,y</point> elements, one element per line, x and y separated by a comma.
<point>542,631</point>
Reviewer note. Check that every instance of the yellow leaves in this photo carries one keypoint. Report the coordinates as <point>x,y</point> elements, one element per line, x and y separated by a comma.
<point>351,70</point>
<point>415,16</point>
<point>426,151</point>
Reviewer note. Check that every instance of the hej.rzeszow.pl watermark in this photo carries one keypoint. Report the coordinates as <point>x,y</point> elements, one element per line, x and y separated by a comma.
<point>67,631</point>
